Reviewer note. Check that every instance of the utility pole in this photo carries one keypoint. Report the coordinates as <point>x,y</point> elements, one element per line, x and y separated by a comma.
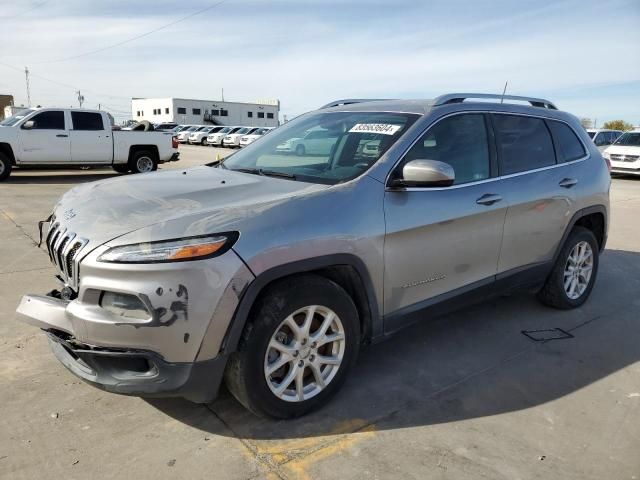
<point>223,94</point>
<point>26,76</point>
<point>80,98</point>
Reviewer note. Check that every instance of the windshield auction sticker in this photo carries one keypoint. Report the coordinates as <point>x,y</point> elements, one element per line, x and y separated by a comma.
<point>382,128</point>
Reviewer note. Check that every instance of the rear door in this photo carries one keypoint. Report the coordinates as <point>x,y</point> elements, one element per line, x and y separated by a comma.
<point>91,140</point>
<point>539,187</point>
<point>446,240</point>
<point>47,141</point>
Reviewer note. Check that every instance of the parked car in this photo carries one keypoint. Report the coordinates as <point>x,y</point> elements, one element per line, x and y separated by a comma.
<point>199,137</point>
<point>270,271</point>
<point>256,134</point>
<point>75,137</point>
<point>216,138</point>
<point>318,141</point>
<point>603,138</point>
<point>624,154</point>
<point>232,139</point>
<point>183,136</point>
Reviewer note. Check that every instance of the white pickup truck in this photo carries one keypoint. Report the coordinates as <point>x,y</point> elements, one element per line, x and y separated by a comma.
<point>74,137</point>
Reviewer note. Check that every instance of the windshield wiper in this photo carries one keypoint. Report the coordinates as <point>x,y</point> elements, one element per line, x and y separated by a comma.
<point>273,173</point>
<point>266,173</point>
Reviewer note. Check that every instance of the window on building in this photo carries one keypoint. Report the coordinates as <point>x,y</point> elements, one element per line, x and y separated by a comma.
<point>215,113</point>
<point>524,143</point>
<point>166,110</point>
<point>459,140</point>
<point>86,121</point>
<point>196,111</point>
<point>138,113</point>
<point>569,147</point>
<point>224,113</point>
<point>51,120</point>
<point>260,114</point>
<point>269,115</point>
<point>182,111</point>
<point>250,114</point>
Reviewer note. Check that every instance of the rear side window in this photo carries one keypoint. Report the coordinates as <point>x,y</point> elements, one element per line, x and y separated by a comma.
<point>459,140</point>
<point>52,120</point>
<point>87,121</point>
<point>524,143</point>
<point>569,147</point>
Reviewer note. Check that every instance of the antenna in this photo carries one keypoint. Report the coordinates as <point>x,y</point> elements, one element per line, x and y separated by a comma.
<point>504,90</point>
<point>26,76</point>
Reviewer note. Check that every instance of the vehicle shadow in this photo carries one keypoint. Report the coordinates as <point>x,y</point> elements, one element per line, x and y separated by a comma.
<point>474,363</point>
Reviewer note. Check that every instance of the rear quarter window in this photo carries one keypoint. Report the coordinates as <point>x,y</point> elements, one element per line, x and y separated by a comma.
<point>569,146</point>
<point>524,143</point>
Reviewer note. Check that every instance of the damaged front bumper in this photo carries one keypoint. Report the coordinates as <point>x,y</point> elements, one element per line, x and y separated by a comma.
<point>176,352</point>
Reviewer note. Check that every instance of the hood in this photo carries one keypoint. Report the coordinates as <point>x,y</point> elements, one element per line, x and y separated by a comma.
<point>623,150</point>
<point>103,210</point>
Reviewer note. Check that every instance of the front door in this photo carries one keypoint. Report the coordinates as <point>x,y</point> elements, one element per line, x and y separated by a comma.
<point>47,141</point>
<point>446,240</point>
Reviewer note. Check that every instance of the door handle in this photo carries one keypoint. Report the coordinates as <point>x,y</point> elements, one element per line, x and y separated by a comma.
<point>568,182</point>
<point>488,199</point>
<point>60,135</point>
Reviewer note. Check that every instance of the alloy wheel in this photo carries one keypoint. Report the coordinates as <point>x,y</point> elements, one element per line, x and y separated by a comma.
<point>578,269</point>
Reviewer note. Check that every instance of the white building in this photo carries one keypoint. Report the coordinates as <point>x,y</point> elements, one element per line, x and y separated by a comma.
<point>202,112</point>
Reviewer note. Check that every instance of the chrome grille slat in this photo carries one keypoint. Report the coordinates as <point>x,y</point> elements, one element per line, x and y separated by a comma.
<point>64,248</point>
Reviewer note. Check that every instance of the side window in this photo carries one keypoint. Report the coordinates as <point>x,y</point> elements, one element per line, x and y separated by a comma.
<point>569,147</point>
<point>86,121</point>
<point>524,143</point>
<point>52,120</point>
<point>459,140</point>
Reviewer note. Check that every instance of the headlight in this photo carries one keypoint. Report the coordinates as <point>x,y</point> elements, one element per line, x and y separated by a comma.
<point>177,250</point>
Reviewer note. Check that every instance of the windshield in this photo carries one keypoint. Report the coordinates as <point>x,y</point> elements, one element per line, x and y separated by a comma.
<point>591,134</point>
<point>323,147</point>
<point>225,130</point>
<point>16,117</point>
<point>260,131</point>
<point>629,139</point>
<point>243,130</point>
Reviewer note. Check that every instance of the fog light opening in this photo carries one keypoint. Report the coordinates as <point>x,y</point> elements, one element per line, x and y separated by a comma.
<point>124,305</point>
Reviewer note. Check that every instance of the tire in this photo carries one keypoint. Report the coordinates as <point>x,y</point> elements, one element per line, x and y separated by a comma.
<point>204,142</point>
<point>143,161</point>
<point>5,166</point>
<point>246,373</point>
<point>300,150</point>
<point>121,167</point>
<point>554,293</point>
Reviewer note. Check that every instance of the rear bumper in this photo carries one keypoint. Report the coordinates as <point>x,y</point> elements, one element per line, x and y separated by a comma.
<point>139,373</point>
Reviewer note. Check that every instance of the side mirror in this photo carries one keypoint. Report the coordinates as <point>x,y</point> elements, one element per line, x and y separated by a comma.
<point>425,173</point>
<point>28,125</point>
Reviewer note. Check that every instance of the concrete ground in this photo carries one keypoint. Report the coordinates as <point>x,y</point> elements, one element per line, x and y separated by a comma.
<point>464,397</point>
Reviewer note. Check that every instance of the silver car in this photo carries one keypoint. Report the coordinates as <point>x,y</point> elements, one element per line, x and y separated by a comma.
<point>270,271</point>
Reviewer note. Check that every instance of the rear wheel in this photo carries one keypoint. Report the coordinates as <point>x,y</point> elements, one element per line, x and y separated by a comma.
<point>5,166</point>
<point>574,274</point>
<point>143,161</point>
<point>297,348</point>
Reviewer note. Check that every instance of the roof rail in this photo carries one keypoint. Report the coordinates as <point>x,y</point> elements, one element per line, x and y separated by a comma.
<point>348,101</point>
<point>461,97</point>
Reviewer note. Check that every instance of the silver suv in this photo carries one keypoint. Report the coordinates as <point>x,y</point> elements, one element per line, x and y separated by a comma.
<point>270,270</point>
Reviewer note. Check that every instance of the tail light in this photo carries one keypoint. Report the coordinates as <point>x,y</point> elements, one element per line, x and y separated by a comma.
<point>607,160</point>
<point>174,142</point>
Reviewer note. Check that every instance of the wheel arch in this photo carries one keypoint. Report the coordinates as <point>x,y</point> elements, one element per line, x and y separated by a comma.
<point>8,151</point>
<point>133,149</point>
<point>346,270</point>
<point>593,218</point>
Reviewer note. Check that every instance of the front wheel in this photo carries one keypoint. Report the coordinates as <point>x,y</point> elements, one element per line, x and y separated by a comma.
<point>5,166</point>
<point>297,348</point>
<point>143,162</point>
<point>574,274</point>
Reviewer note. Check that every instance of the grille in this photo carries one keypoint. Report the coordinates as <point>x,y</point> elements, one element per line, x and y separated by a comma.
<point>624,158</point>
<point>64,247</point>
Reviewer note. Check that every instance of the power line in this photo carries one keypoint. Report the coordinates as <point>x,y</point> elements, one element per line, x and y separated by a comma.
<point>37,5</point>
<point>137,37</point>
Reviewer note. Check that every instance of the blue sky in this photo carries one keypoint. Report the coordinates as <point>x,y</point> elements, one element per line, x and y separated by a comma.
<point>581,54</point>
